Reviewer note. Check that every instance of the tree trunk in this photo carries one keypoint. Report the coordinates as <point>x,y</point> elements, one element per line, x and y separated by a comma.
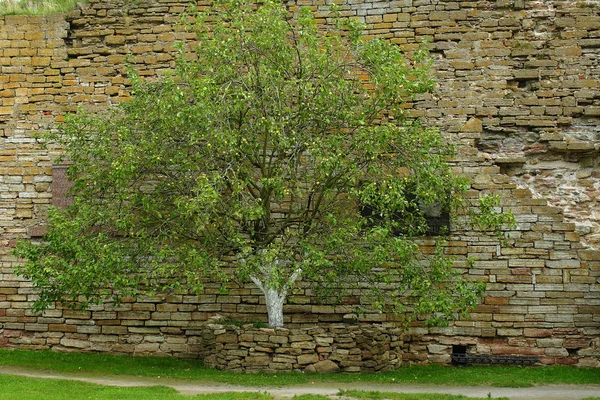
<point>275,297</point>
<point>274,302</point>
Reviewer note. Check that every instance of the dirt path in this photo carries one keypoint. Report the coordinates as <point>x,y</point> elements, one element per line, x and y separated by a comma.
<point>549,392</point>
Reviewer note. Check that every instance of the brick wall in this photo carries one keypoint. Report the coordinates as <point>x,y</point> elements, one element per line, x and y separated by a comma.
<point>518,92</point>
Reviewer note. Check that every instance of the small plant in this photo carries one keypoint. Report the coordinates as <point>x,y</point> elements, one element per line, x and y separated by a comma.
<point>585,4</point>
<point>491,218</point>
<point>240,324</point>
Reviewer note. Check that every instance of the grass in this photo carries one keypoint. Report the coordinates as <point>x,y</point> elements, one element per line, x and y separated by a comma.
<point>175,369</point>
<point>360,395</point>
<point>239,324</point>
<point>24,388</point>
<point>36,7</point>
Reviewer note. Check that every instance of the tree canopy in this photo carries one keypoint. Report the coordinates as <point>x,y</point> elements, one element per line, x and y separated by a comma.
<point>257,160</point>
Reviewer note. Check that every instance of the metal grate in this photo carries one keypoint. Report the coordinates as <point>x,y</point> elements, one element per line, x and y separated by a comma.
<point>488,359</point>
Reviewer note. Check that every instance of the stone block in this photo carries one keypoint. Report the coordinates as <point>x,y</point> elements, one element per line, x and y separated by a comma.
<point>322,367</point>
<point>62,328</point>
<point>473,125</point>
<point>543,343</point>
<point>437,349</point>
<point>75,343</point>
<point>537,333</point>
<point>77,314</point>
<point>146,348</point>
<point>577,343</point>
<point>308,359</point>
<point>227,338</point>
<point>304,345</point>
<point>135,315</point>
<point>556,352</point>
<point>589,255</point>
<point>115,329</point>
<point>323,340</point>
<point>278,339</point>
<point>589,362</point>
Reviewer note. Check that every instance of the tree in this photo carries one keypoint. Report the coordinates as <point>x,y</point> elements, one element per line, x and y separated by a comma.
<point>257,160</point>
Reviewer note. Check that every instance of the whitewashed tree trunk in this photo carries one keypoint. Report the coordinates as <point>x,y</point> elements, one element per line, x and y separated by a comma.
<point>274,297</point>
<point>274,302</point>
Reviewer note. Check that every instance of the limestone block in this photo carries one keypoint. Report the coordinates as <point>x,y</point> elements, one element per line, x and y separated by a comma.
<point>79,344</point>
<point>556,352</point>
<point>557,343</point>
<point>437,349</point>
<point>589,362</point>
<point>278,339</point>
<point>322,367</point>
<point>308,359</point>
<point>227,338</point>
<point>577,343</point>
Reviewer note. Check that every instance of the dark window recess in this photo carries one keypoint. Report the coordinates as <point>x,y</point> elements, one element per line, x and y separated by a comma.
<point>439,225</point>
<point>459,349</point>
<point>573,352</point>
<point>438,221</point>
<point>60,187</point>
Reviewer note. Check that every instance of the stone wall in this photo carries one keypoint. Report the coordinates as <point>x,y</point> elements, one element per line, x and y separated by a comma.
<point>518,92</point>
<point>329,348</point>
<point>524,75</point>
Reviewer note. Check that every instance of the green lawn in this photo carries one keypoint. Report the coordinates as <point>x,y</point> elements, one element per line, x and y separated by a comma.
<point>22,388</point>
<point>171,368</point>
<point>360,395</point>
